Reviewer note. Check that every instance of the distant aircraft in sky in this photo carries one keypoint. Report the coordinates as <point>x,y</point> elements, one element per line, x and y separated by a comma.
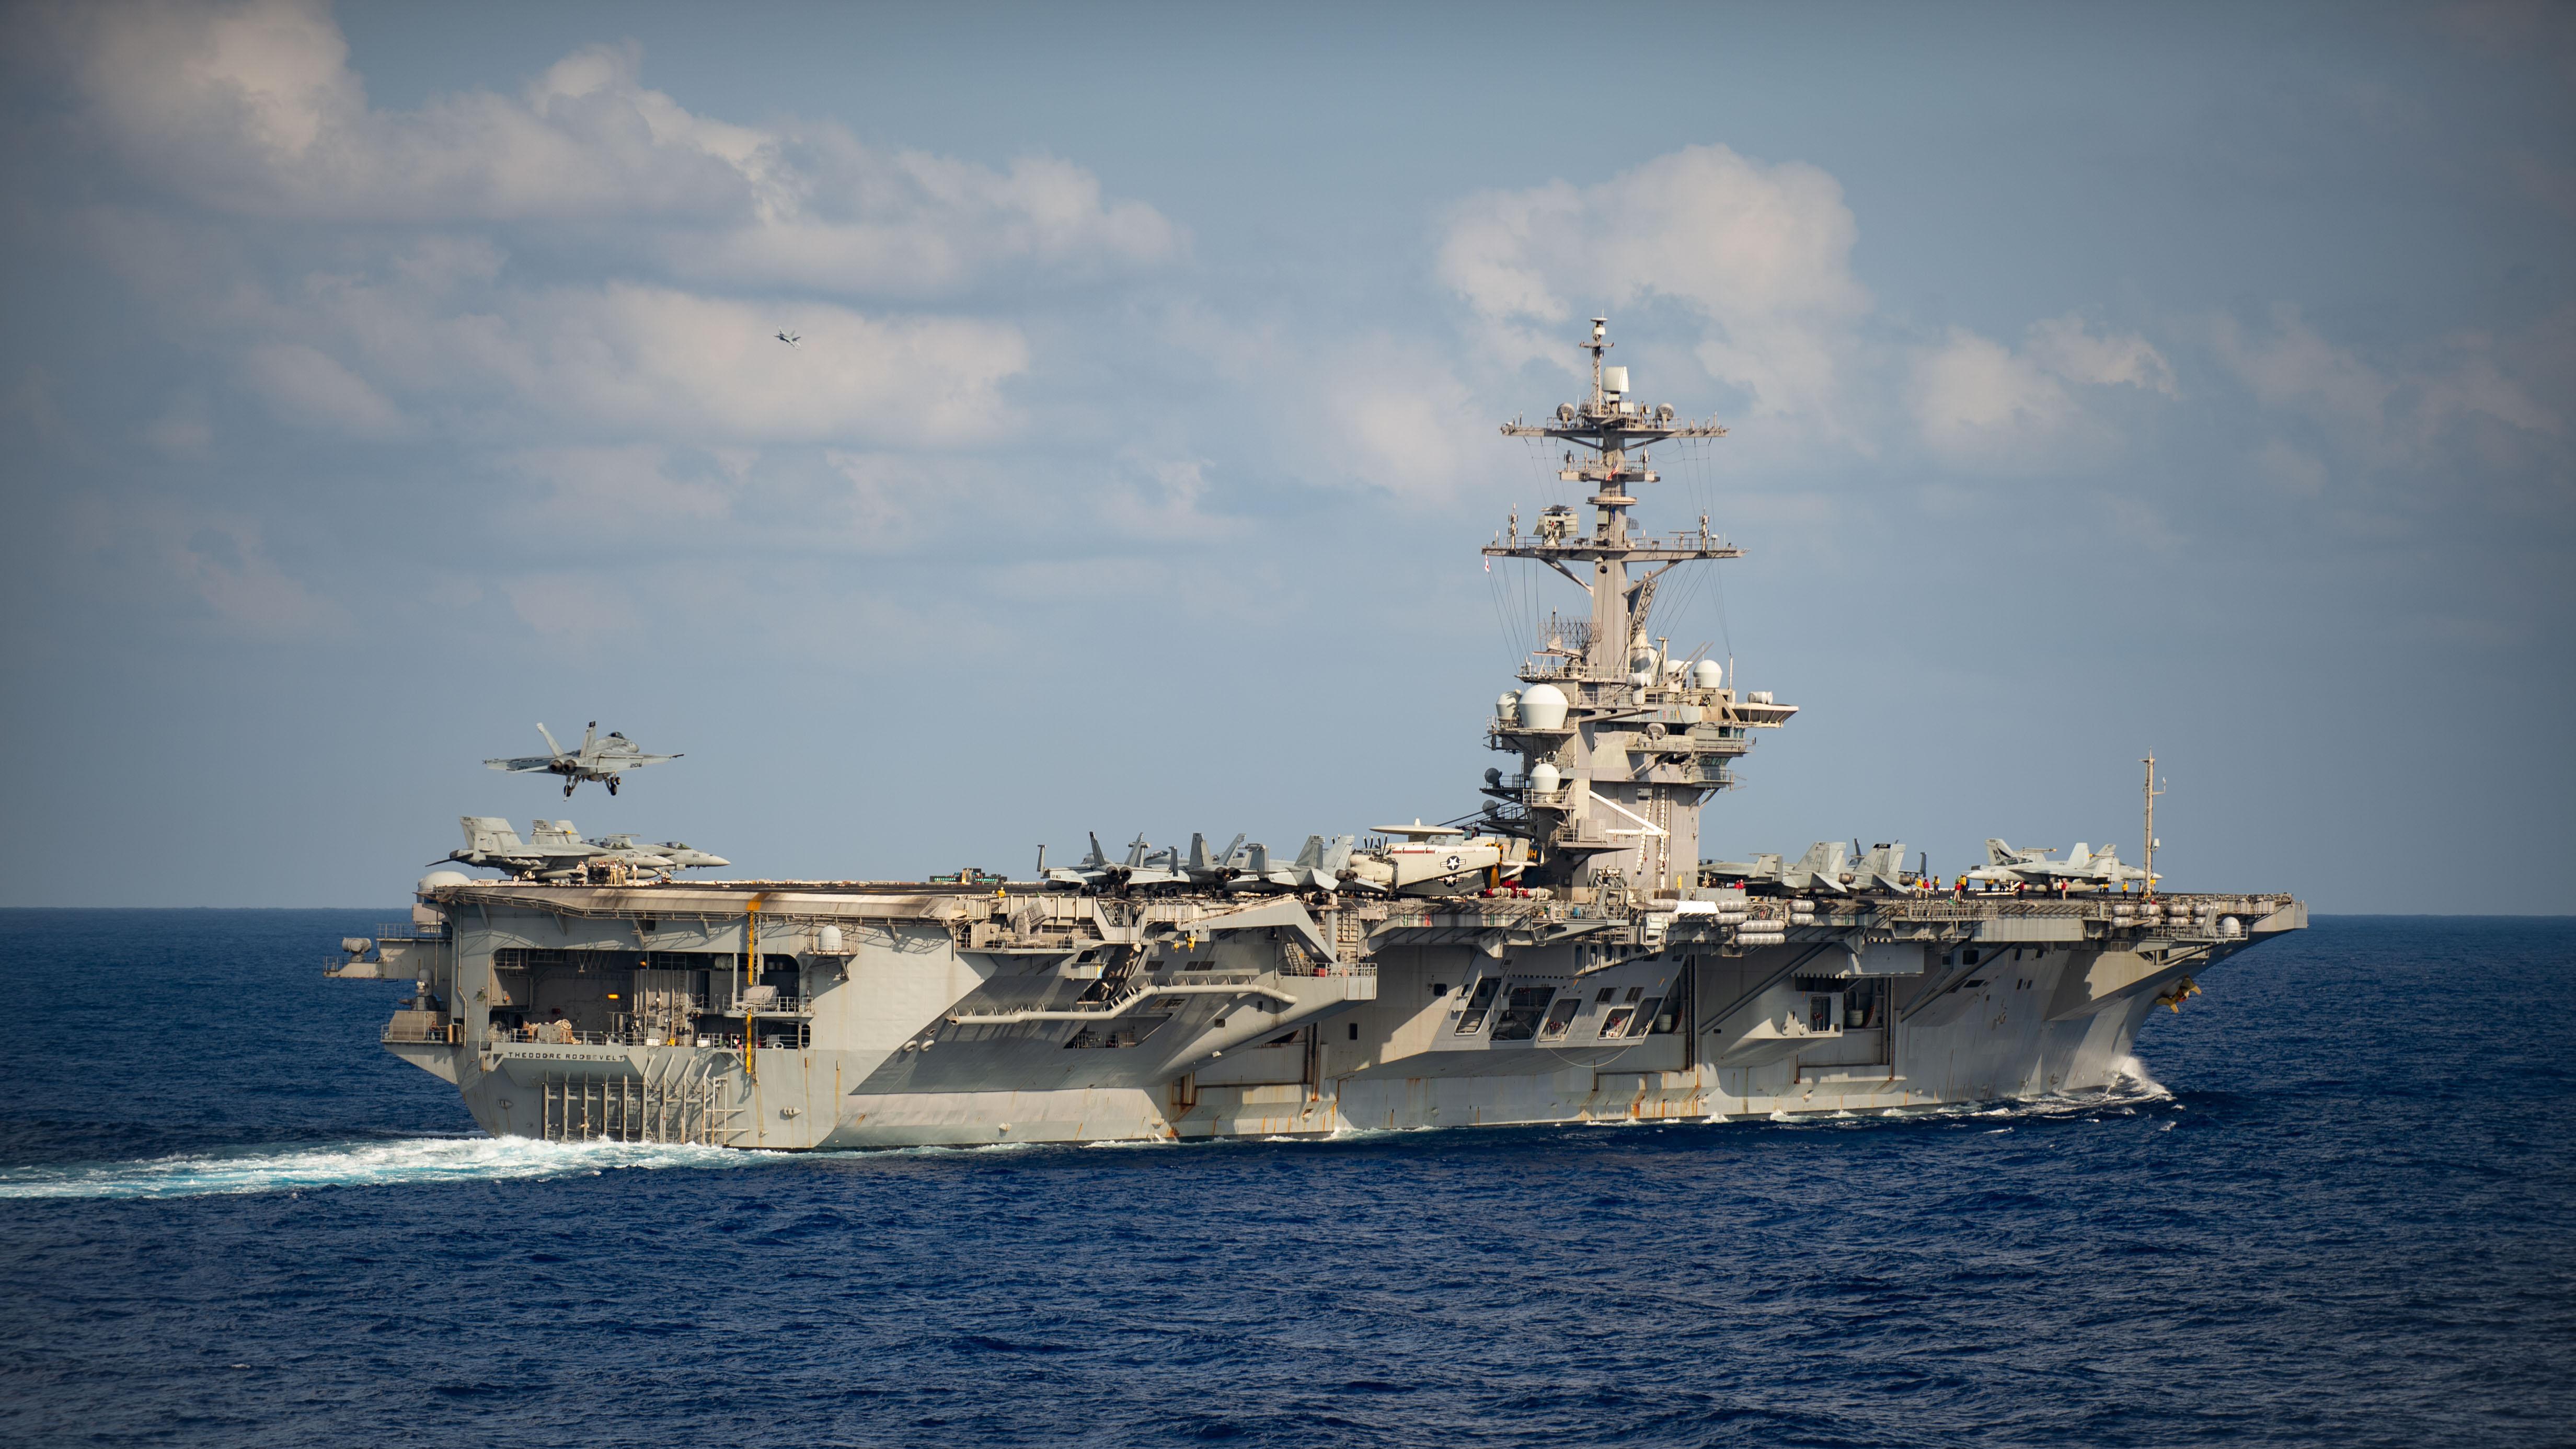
<point>597,759</point>
<point>792,339</point>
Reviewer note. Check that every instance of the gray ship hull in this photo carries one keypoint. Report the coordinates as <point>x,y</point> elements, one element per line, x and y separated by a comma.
<point>905,1017</point>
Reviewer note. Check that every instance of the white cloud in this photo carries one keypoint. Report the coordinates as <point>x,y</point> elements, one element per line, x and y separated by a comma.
<point>2469,380</point>
<point>183,433</point>
<point>617,490</point>
<point>220,562</point>
<point>1162,498</point>
<point>1978,402</point>
<point>625,361</point>
<point>2071,350</point>
<point>310,390</point>
<point>2290,468</point>
<point>2295,368</point>
<point>1761,253</point>
<point>251,108</point>
<point>879,506</point>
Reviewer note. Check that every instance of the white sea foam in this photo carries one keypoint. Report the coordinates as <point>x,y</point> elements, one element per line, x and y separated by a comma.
<point>402,1162</point>
<point>2135,1081</point>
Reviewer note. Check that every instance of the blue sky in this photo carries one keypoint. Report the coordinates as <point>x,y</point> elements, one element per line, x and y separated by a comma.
<point>383,380</point>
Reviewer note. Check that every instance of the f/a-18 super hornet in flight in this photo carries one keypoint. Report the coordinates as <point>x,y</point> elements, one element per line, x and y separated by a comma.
<point>555,851</point>
<point>2082,867</point>
<point>597,759</point>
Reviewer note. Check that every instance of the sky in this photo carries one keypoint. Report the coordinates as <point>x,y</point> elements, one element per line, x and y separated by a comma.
<point>380,381</point>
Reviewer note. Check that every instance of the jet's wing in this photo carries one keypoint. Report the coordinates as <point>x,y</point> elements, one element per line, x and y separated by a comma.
<point>629,762</point>
<point>522,764</point>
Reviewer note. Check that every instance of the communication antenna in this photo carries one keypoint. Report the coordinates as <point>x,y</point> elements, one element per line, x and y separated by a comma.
<point>2152,793</point>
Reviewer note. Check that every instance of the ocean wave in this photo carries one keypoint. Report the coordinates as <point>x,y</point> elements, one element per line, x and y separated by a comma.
<point>398,1162</point>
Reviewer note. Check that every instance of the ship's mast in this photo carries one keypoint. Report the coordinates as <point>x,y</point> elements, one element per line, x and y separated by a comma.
<point>1610,426</point>
<point>2152,793</point>
<point>1642,740</point>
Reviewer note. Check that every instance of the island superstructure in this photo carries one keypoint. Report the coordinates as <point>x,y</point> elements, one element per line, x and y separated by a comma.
<point>1562,955</point>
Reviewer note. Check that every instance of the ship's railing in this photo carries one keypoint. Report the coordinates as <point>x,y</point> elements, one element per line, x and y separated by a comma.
<point>775,1006</point>
<point>1316,968</point>
<point>2114,907</point>
<point>790,1034</point>
<point>1519,785</point>
<point>418,1028</point>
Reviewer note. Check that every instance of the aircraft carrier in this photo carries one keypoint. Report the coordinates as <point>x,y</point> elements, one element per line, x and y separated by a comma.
<point>1562,955</point>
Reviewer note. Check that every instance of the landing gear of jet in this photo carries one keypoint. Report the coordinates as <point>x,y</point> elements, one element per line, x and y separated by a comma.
<point>568,784</point>
<point>612,784</point>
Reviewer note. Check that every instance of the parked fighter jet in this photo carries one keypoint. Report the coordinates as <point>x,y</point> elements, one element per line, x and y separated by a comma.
<point>1144,866</point>
<point>2083,867</point>
<point>555,851</point>
<point>1321,866</point>
<point>597,759</point>
<point>1821,868</point>
<point>1880,868</point>
<point>679,853</point>
<point>1216,869</point>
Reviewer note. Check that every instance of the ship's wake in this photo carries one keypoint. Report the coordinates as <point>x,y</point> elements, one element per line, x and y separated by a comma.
<point>398,1162</point>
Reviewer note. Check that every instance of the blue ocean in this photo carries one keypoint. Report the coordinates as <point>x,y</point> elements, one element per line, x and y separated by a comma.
<point>2344,1217</point>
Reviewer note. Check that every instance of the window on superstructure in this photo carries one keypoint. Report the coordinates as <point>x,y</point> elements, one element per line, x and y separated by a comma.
<point>1522,1012</point>
<point>1560,1017</point>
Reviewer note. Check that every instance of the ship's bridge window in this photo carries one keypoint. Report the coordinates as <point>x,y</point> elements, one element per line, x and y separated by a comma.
<point>1635,991</point>
<point>1607,994</point>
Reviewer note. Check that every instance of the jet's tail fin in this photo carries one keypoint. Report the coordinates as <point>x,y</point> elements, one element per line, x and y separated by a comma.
<point>1998,852</point>
<point>490,835</point>
<point>590,740</point>
<point>1136,851</point>
<point>556,834</point>
<point>1199,852</point>
<point>1312,855</point>
<point>552,748</point>
<point>1337,855</point>
<point>1097,858</point>
<point>1257,859</point>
